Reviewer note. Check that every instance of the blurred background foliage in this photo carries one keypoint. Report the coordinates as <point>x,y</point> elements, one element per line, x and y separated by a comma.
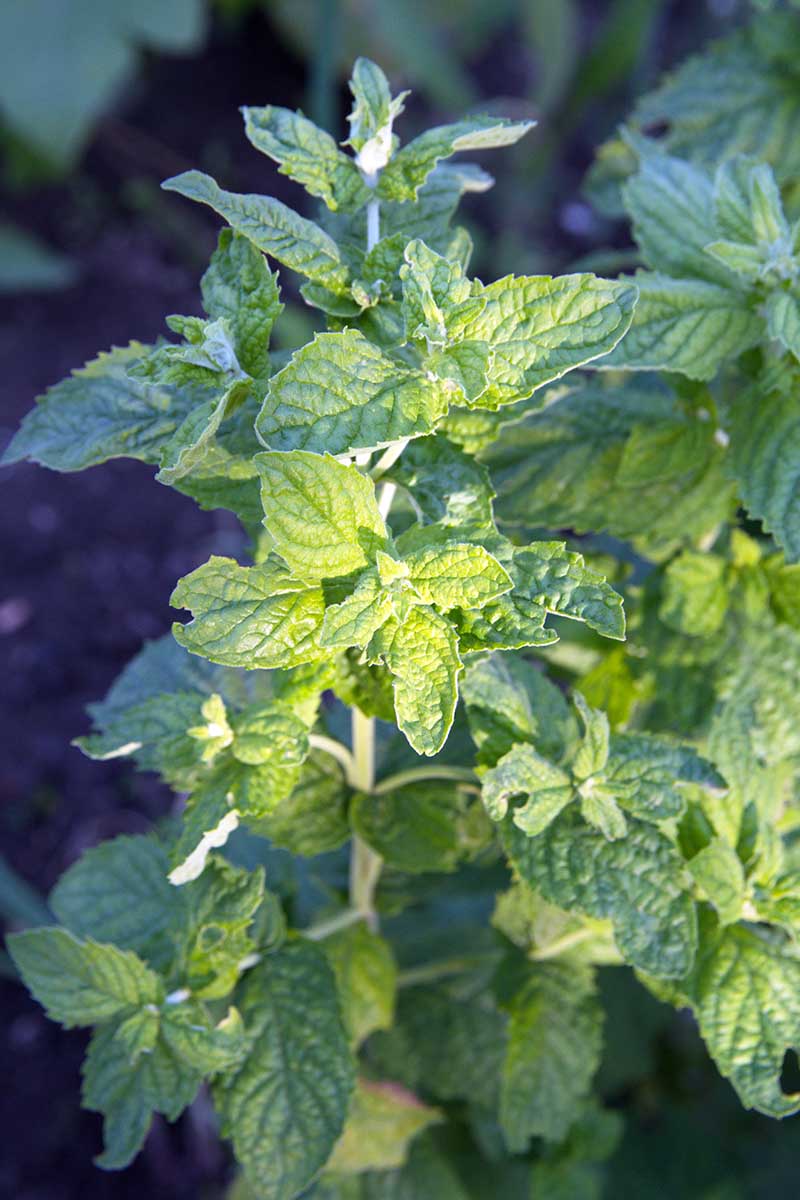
<point>100,100</point>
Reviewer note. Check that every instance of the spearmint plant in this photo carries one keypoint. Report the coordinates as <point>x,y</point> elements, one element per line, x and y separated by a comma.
<point>415,821</point>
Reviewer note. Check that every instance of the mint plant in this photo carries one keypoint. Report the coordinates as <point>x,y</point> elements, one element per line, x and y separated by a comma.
<point>416,822</point>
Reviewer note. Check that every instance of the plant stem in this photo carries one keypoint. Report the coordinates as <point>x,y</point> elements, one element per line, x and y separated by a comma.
<point>365,864</point>
<point>323,929</point>
<point>430,972</point>
<point>554,949</point>
<point>328,745</point>
<point>461,775</point>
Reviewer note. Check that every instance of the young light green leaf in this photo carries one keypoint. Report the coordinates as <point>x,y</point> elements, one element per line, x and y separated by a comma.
<point>695,594</point>
<point>81,982</point>
<point>745,991</point>
<point>341,393</point>
<point>539,328</point>
<point>591,755</point>
<point>638,882</point>
<point>457,575</point>
<point>249,616</point>
<point>360,616</point>
<point>366,977</point>
<point>322,516</point>
<point>372,116</point>
<point>271,227</point>
<point>422,655</point>
<point>523,772</point>
<point>99,413</point>
<point>306,154</point>
<point>555,1036</point>
<point>383,1120</point>
<point>600,809</point>
<point>411,166</point>
<point>718,872</point>
<point>285,1107</point>
<point>239,287</point>
<point>189,445</point>
<point>686,325</point>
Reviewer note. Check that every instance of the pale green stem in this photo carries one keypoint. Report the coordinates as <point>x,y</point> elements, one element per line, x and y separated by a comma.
<point>365,864</point>
<point>389,457</point>
<point>318,741</point>
<point>385,499</point>
<point>461,775</point>
<point>560,945</point>
<point>323,929</point>
<point>430,972</point>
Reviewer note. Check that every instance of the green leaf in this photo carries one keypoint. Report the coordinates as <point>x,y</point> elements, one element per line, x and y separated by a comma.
<point>306,154</point>
<point>240,288</point>
<point>523,772</point>
<point>783,319</point>
<point>509,700</point>
<point>591,755</point>
<point>271,227</point>
<point>410,167</point>
<point>686,325</point>
<point>574,1169</point>
<point>366,977</point>
<point>695,595</point>
<point>209,820</point>
<point>81,982</point>
<point>118,892</point>
<point>188,447</point>
<point>645,773</point>
<point>452,1045</point>
<point>384,1119</point>
<point>99,413</point>
<point>539,328</point>
<point>431,825</point>
<point>745,991</point>
<point>457,576</point>
<point>638,882</point>
<point>249,616</point>
<point>313,819</point>
<point>216,937</point>
<point>322,516</point>
<point>622,459</point>
<point>733,98</point>
<point>198,1044</point>
<point>719,874</point>
<point>559,581</point>
<point>341,393</point>
<point>446,485</point>
<point>285,1107</point>
<point>360,616</point>
<point>671,204</point>
<point>764,432</point>
<point>128,1093</point>
<point>422,655</point>
<point>373,113</point>
<point>86,54</point>
<point>555,1036</point>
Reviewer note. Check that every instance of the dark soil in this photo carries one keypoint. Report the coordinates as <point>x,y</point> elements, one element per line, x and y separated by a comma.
<point>89,560</point>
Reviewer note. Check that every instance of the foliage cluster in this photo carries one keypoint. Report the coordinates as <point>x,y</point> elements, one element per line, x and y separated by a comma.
<point>416,821</point>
